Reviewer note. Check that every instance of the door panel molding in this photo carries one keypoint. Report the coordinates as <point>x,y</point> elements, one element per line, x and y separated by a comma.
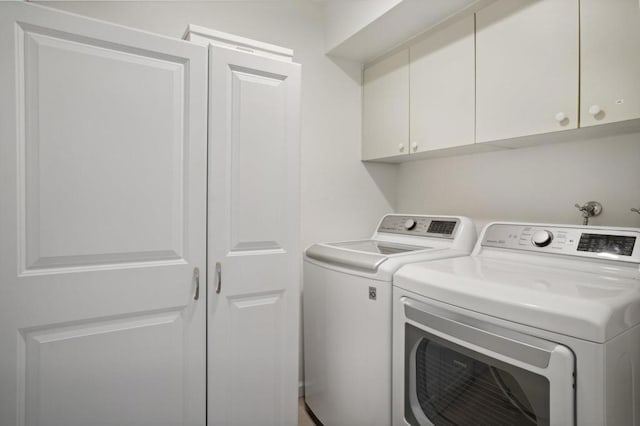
<point>45,147</point>
<point>258,166</point>
<point>103,166</point>
<point>45,387</point>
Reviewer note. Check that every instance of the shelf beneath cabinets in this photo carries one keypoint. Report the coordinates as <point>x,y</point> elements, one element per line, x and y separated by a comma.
<point>575,135</point>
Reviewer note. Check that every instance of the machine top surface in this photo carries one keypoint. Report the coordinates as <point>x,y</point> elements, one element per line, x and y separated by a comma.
<point>579,281</point>
<point>400,237</point>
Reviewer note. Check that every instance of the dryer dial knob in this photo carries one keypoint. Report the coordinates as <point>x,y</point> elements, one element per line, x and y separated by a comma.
<point>409,224</point>
<point>542,238</point>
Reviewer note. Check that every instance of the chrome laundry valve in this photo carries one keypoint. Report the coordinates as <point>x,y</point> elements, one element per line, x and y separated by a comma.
<point>589,209</point>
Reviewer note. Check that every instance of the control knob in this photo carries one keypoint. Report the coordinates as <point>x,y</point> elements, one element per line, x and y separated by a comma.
<point>409,224</point>
<point>542,238</point>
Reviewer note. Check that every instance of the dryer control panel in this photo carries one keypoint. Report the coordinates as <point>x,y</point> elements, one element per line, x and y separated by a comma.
<point>420,226</point>
<point>591,242</point>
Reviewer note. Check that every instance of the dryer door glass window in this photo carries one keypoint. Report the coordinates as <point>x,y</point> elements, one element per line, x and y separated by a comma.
<point>451,385</point>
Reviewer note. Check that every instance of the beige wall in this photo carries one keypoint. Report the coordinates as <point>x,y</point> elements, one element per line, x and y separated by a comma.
<point>537,184</point>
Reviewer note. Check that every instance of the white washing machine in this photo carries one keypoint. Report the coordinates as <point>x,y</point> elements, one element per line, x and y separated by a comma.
<point>539,326</point>
<point>347,313</point>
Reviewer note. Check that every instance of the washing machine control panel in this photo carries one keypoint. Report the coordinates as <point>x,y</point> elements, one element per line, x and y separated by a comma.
<point>595,242</point>
<point>421,226</point>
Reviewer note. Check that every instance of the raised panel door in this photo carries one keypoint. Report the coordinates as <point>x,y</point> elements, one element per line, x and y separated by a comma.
<point>254,254</point>
<point>103,222</point>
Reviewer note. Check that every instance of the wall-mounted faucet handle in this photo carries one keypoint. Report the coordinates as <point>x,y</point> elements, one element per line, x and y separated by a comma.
<point>635,210</point>
<point>589,209</point>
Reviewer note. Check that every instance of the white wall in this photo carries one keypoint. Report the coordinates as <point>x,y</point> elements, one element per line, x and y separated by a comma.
<point>537,184</point>
<point>341,197</point>
<point>345,18</point>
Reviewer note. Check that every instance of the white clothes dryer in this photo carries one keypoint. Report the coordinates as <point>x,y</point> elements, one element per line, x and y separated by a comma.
<point>539,326</point>
<point>347,313</point>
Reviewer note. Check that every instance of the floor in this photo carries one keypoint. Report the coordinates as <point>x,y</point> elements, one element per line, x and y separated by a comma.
<point>303,417</point>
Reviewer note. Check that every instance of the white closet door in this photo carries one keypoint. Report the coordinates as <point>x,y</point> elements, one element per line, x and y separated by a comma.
<point>103,220</point>
<point>253,314</point>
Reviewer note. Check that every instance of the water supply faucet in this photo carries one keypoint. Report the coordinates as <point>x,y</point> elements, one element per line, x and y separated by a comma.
<point>589,209</point>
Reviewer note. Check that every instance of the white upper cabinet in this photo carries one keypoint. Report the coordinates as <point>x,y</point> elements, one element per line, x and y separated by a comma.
<point>515,69</point>
<point>610,61</point>
<point>442,73</point>
<point>527,68</point>
<point>386,108</point>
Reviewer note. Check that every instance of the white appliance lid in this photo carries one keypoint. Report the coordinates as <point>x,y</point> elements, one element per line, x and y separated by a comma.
<point>378,247</point>
<point>402,238</point>
<point>585,305</point>
<point>366,255</point>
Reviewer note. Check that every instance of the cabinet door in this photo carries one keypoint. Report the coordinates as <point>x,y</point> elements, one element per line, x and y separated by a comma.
<point>385,108</point>
<point>610,64</point>
<point>526,68</point>
<point>254,226</point>
<point>442,74</point>
<point>103,221</point>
